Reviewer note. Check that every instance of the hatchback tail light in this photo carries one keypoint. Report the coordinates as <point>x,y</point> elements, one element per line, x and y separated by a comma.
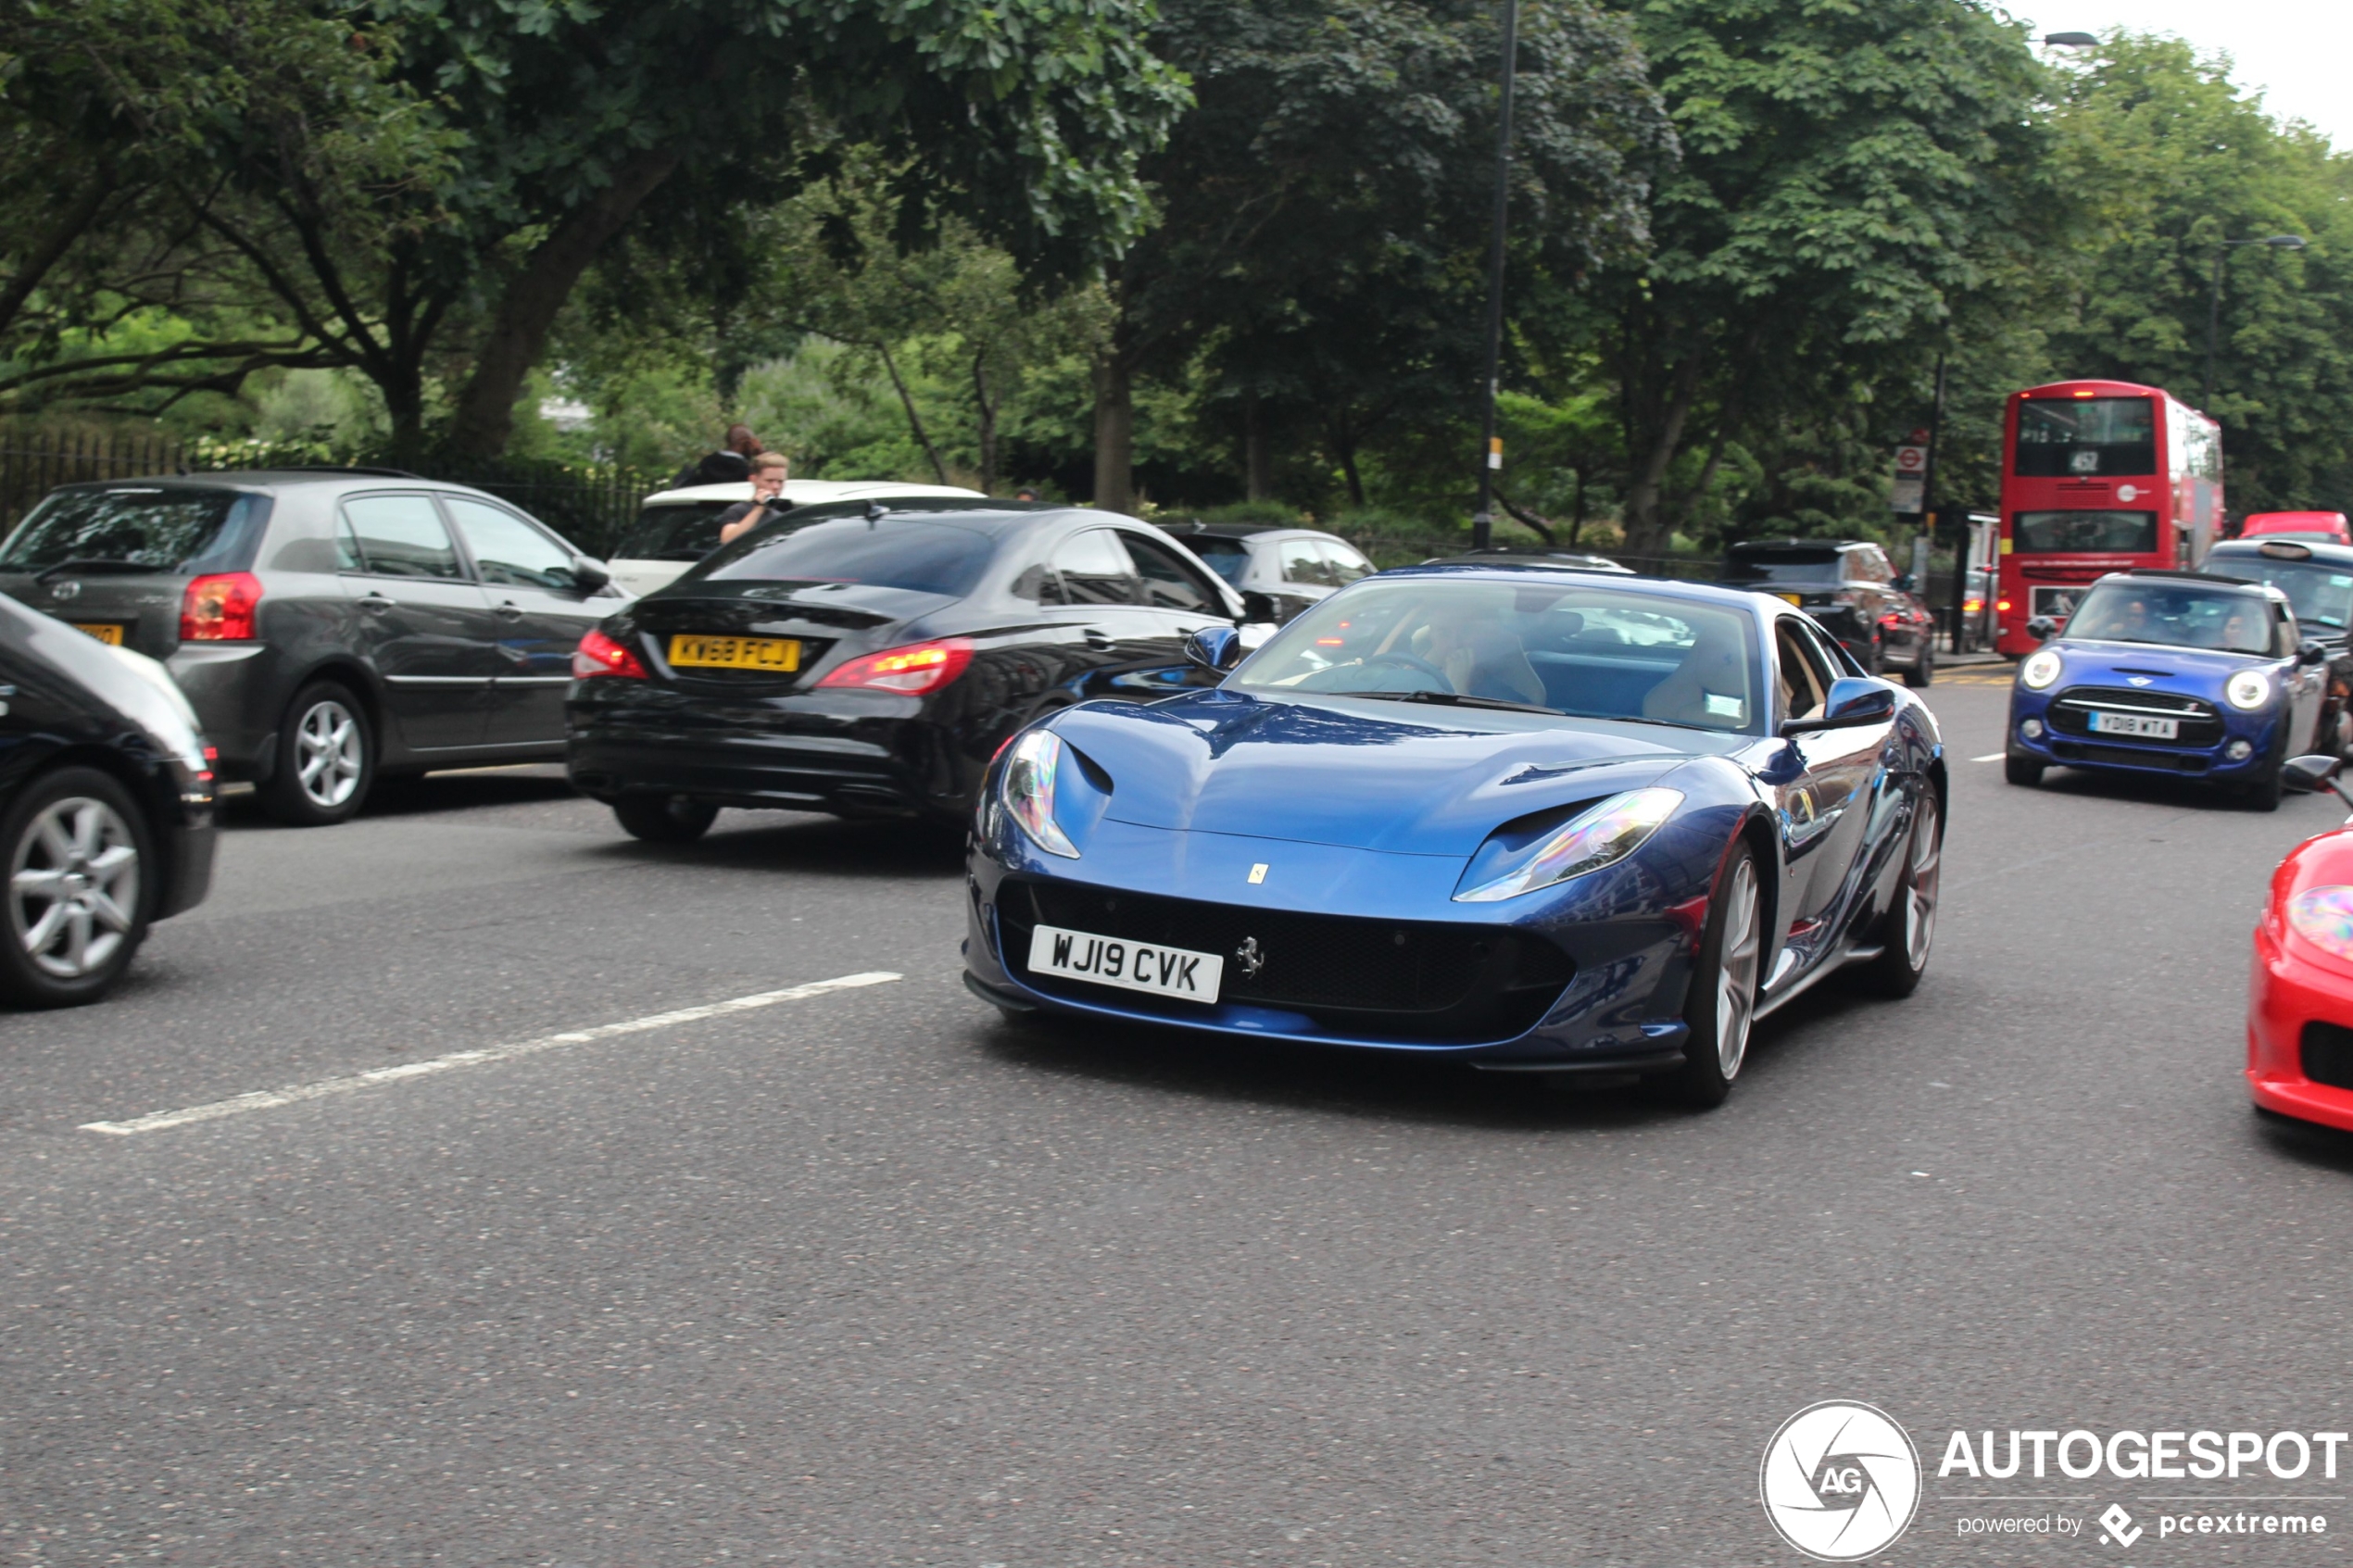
<point>599,655</point>
<point>218,608</point>
<point>912,670</point>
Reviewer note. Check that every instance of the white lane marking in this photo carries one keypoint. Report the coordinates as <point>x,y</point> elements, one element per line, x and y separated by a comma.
<point>263,1100</point>
<point>1990,757</point>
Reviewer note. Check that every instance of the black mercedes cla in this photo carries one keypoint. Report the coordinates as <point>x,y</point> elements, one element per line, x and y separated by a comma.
<point>869,661</point>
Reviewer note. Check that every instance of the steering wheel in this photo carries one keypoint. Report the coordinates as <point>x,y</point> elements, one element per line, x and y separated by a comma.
<point>1410,661</point>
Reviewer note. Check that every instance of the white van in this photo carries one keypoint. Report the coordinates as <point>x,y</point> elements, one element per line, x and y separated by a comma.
<point>676,528</point>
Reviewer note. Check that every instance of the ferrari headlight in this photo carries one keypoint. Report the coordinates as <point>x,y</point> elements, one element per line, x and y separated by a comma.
<point>1027,789</point>
<point>2249,688</point>
<point>1599,837</point>
<point>2042,667</point>
<point>2323,916</point>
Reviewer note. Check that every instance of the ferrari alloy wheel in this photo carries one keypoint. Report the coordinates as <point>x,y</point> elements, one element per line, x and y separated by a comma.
<point>77,893</point>
<point>1909,927</point>
<point>1722,1004</point>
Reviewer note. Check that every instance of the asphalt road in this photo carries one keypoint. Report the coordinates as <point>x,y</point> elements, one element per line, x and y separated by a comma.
<point>866,1277</point>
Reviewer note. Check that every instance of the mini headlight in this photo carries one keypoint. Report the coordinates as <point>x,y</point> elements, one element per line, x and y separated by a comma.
<point>2249,688</point>
<point>2042,667</point>
<point>2323,916</point>
<point>1593,838</point>
<point>1027,789</point>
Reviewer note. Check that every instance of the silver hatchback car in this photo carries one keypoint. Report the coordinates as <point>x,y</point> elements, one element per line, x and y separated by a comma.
<point>329,627</point>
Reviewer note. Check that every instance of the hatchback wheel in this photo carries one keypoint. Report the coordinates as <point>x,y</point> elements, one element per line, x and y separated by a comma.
<point>326,759</point>
<point>1723,1001</point>
<point>77,851</point>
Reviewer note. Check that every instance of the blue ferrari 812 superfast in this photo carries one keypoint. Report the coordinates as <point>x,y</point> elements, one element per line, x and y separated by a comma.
<point>1532,820</point>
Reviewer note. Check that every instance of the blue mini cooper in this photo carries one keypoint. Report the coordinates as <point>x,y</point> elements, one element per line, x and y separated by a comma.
<point>2179,672</point>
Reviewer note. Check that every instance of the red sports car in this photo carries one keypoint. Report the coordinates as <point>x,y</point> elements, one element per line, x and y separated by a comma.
<point>2299,1010</point>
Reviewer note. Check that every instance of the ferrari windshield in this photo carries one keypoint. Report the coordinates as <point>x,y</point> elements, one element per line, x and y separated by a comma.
<point>1574,648</point>
<point>2175,614</point>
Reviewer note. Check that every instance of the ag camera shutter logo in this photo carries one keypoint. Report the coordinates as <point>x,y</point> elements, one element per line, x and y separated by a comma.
<point>1840,1481</point>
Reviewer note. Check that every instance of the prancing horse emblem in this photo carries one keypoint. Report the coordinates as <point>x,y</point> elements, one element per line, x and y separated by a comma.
<point>1250,958</point>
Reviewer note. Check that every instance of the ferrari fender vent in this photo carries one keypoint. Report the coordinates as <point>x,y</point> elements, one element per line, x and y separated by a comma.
<point>2328,1055</point>
<point>1405,980</point>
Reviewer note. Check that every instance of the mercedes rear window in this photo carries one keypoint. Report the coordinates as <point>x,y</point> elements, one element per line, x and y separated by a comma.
<point>928,557</point>
<point>165,527</point>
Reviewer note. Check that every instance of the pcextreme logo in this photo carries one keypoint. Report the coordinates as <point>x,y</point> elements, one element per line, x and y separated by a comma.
<point>1840,1481</point>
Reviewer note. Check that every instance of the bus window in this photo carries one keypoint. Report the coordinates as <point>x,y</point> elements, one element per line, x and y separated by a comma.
<point>2070,437</point>
<point>2057,532</point>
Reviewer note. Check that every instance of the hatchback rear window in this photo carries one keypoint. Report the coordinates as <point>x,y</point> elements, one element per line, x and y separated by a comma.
<point>929,557</point>
<point>165,527</point>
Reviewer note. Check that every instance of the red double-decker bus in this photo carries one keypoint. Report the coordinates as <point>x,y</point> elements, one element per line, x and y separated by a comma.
<point>2098,476</point>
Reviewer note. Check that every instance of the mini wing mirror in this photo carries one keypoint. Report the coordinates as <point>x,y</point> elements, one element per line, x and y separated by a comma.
<point>1258,607</point>
<point>2311,653</point>
<point>1904,582</point>
<point>587,575</point>
<point>2041,628</point>
<point>1217,648</point>
<point>1854,701</point>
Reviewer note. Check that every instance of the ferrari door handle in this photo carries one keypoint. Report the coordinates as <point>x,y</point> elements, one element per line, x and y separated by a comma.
<point>374,604</point>
<point>507,610</point>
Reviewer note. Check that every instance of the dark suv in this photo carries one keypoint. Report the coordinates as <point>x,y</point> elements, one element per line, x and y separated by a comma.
<point>329,627</point>
<point>1850,588</point>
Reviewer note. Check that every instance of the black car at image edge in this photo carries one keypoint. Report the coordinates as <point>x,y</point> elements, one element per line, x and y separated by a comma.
<point>869,661</point>
<point>106,808</point>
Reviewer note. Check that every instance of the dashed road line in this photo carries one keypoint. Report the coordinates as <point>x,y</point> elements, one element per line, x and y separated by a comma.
<point>265,1099</point>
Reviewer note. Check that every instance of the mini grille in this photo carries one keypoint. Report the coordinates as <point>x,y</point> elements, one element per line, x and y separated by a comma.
<point>2328,1055</point>
<point>2071,713</point>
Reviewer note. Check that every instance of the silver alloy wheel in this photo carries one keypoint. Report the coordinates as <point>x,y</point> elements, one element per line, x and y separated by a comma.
<point>74,886</point>
<point>1736,970</point>
<point>327,753</point>
<point>1919,901</point>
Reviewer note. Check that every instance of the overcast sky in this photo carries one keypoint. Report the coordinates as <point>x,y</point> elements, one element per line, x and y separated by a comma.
<point>2299,51</point>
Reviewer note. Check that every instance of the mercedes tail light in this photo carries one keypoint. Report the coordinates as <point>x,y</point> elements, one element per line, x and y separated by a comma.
<point>599,655</point>
<point>218,608</point>
<point>912,670</point>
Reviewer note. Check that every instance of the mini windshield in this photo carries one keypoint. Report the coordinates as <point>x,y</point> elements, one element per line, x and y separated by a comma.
<point>1783,566</point>
<point>2321,595</point>
<point>1561,647</point>
<point>930,557</point>
<point>2174,614</point>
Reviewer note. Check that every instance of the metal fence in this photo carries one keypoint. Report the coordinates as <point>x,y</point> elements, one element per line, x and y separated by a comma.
<point>590,506</point>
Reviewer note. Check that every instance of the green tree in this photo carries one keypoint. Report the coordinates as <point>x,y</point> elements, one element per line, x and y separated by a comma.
<point>1849,172</point>
<point>1026,117</point>
<point>1323,211</point>
<point>2171,158</point>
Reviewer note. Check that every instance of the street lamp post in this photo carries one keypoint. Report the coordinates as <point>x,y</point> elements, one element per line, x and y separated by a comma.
<point>1491,450</point>
<point>2214,304</point>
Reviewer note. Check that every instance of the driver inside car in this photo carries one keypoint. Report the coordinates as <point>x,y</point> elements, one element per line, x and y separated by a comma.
<point>1481,658</point>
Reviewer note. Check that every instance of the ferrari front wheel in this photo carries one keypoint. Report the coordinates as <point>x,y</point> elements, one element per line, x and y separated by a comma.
<point>1723,1001</point>
<point>1909,925</point>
